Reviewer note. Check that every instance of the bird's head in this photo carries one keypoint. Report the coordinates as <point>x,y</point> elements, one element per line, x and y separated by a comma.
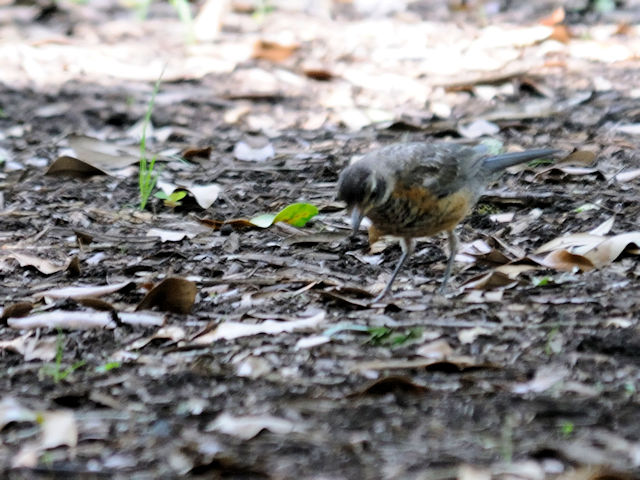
<point>362,189</point>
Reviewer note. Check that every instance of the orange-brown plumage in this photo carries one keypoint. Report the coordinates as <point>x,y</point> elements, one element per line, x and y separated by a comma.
<point>412,190</point>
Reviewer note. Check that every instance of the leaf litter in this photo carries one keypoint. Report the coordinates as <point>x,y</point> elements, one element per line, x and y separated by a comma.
<point>264,368</point>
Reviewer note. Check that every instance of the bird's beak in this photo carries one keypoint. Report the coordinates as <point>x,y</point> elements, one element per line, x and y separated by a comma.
<point>356,219</point>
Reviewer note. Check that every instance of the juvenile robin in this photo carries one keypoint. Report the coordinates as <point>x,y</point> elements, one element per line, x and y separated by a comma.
<point>411,190</point>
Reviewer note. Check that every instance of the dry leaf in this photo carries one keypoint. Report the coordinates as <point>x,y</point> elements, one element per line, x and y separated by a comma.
<point>232,330</point>
<point>460,362</point>
<point>205,195</point>
<point>566,261</point>
<point>169,235</point>
<point>254,149</point>
<point>249,426</point>
<point>469,335</point>
<point>196,153</point>
<point>627,176</point>
<point>319,74</point>
<point>32,348</point>
<point>437,350</point>
<point>478,128</point>
<point>272,51</point>
<point>41,264</point>
<point>556,17</point>
<point>85,291</point>
<point>584,240</point>
<point>604,228</point>
<point>18,309</point>
<point>104,156</point>
<point>66,165</point>
<point>12,411</point>
<point>545,378</point>
<point>391,383</point>
<point>142,319</point>
<point>173,333</point>
<point>611,248</point>
<point>208,22</point>
<point>483,296</point>
<point>171,295</point>
<point>561,33</point>
<point>58,428</point>
<point>489,281</point>
<point>63,319</point>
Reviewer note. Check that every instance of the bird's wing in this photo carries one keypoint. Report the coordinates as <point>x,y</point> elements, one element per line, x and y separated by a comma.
<point>442,168</point>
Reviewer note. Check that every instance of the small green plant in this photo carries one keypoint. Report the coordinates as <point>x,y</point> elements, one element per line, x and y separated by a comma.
<point>184,13</point>
<point>2,113</point>
<point>180,6</point>
<point>506,439</point>
<point>586,207</point>
<point>540,162</point>
<point>107,367</point>
<point>172,200</point>
<point>263,8</point>
<point>486,209</point>
<point>55,370</point>
<point>551,346</point>
<point>386,336</point>
<point>629,388</point>
<point>567,428</point>
<point>541,281</point>
<point>147,177</point>
<point>377,335</point>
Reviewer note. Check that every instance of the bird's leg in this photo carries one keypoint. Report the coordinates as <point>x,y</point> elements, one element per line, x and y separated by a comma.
<point>453,249</point>
<point>407,248</point>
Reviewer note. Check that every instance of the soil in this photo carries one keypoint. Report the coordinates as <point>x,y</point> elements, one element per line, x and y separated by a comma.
<point>539,379</point>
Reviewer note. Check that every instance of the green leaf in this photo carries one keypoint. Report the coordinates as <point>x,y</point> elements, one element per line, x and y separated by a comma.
<point>263,221</point>
<point>107,366</point>
<point>586,207</point>
<point>567,428</point>
<point>297,214</point>
<point>541,281</point>
<point>493,146</point>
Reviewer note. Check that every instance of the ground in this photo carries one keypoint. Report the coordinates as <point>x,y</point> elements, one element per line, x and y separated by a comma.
<point>263,357</point>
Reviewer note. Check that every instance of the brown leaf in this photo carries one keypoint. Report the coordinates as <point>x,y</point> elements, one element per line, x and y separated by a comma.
<point>390,384</point>
<point>556,17</point>
<point>66,165</point>
<point>586,240</point>
<point>611,248</point>
<point>561,33</point>
<point>319,74</point>
<point>579,157</point>
<point>191,153</point>
<point>272,51</point>
<point>41,264</point>
<point>458,362</point>
<point>489,281</point>
<point>437,350</point>
<point>566,261</point>
<point>18,309</point>
<point>172,295</point>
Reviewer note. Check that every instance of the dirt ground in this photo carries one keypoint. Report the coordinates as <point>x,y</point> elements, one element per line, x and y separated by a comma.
<point>263,358</point>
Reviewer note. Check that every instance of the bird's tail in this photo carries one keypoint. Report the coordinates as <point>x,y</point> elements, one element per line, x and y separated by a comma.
<point>506,160</point>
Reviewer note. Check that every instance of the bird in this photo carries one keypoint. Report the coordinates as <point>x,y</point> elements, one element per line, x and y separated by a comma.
<point>418,189</point>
